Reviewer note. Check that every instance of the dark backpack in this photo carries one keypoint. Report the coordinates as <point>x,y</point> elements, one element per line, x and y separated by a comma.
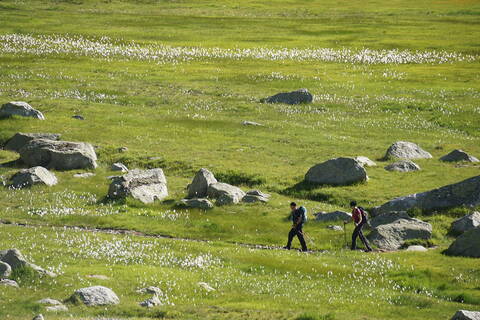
<point>303,210</point>
<point>364,214</point>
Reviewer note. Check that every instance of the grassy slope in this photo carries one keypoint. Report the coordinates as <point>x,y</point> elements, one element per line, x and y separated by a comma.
<point>190,116</point>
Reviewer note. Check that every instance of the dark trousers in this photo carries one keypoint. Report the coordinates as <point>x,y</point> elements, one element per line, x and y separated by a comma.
<point>357,232</point>
<point>296,231</point>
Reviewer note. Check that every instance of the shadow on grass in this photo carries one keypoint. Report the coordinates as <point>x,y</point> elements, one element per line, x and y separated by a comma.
<point>305,190</point>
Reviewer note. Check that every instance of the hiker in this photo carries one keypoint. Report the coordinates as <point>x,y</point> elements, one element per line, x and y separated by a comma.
<point>298,219</point>
<point>359,218</point>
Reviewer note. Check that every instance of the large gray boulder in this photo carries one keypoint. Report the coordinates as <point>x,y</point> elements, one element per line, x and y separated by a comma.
<point>466,245</point>
<point>294,97</point>
<point>15,259</point>
<point>19,140</point>
<point>333,216</point>
<point>5,270</point>
<point>95,296</point>
<point>406,150</point>
<point>466,223</point>
<point>388,217</point>
<point>256,196</point>
<point>199,186</point>
<point>225,193</point>
<point>458,155</point>
<point>338,171</point>
<point>59,155</point>
<point>144,185</point>
<point>20,108</point>
<point>466,315</point>
<point>403,166</point>
<point>28,177</point>
<point>393,235</point>
<point>199,203</point>
<point>464,193</point>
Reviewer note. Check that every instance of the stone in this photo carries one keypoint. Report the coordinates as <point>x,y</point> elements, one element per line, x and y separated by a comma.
<point>38,317</point>
<point>5,270</point>
<point>388,217</point>
<point>466,315</point>
<point>366,162</point>
<point>122,149</point>
<point>466,223</point>
<point>119,167</point>
<point>294,97</point>
<point>15,259</point>
<point>8,283</point>
<point>152,302</point>
<point>403,166</point>
<point>58,308</point>
<point>97,276</point>
<point>466,245</point>
<point>151,290</point>
<point>19,140</point>
<point>95,296</point>
<point>28,177</point>
<point>252,123</point>
<point>406,150</point>
<point>465,193</point>
<point>205,286</point>
<point>252,196</point>
<point>338,171</point>
<point>335,228</point>
<point>200,203</point>
<point>458,155</point>
<point>51,302</point>
<point>84,175</point>
<point>199,186</point>
<point>333,216</point>
<point>59,155</point>
<point>225,193</point>
<point>393,235</point>
<point>143,185</point>
<point>20,108</point>
<point>78,117</point>
<point>417,248</point>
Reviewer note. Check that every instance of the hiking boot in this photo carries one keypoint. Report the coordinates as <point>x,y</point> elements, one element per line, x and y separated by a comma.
<point>286,248</point>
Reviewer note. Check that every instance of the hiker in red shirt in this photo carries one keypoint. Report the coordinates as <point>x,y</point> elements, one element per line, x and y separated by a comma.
<point>359,219</point>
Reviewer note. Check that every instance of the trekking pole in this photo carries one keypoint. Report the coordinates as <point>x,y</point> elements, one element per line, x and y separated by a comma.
<point>308,238</point>
<point>345,233</point>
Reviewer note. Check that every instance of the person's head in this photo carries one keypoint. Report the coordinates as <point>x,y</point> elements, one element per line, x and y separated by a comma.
<point>353,204</point>
<point>293,205</point>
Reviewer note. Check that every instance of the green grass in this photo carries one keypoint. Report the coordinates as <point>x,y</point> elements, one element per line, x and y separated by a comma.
<point>186,115</point>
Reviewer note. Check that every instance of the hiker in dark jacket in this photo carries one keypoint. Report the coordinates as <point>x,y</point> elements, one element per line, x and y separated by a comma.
<point>359,219</point>
<point>298,220</point>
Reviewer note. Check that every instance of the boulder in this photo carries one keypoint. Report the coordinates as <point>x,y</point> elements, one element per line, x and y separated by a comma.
<point>119,167</point>
<point>19,140</point>
<point>199,186</point>
<point>5,270</point>
<point>406,150</point>
<point>417,249</point>
<point>225,193</point>
<point>8,283</point>
<point>152,302</point>
<point>333,216</point>
<point>403,166</point>
<point>59,155</point>
<point>294,97</point>
<point>393,235</point>
<point>200,203</point>
<point>28,177</point>
<point>388,217</point>
<point>466,223</point>
<point>466,315</point>
<point>338,171</point>
<point>95,296</point>
<point>466,245</point>
<point>252,123</point>
<point>256,196</point>
<point>15,259</point>
<point>366,162</point>
<point>144,185</point>
<point>20,108</point>
<point>458,155</point>
<point>464,193</point>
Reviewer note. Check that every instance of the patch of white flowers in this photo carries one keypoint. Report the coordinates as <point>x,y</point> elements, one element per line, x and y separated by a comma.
<point>44,45</point>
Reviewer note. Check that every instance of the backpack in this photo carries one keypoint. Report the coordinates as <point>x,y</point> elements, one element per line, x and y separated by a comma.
<point>304,214</point>
<point>364,214</point>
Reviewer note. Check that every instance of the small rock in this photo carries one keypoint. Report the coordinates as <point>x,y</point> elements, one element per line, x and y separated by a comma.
<point>20,108</point>
<point>9,283</point>
<point>366,162</point>
<point>95,296</point>
<point>335,228</point>
<point>5,270</point>
<point>97,276</point>
<point>122,149</point>
<point>205,286</point>
<point>84,175</point>
<point>256,196</point>
<point>252,123</point>
<point>37,175</point>
<point>49,301</point>
<point>38,317</point>
<point>417,248</point>
<point>458,155</point>
<point>151,290</point>
<point>119,167</point>
<point>406,150</point>
<point>466,315</point>
<point>403,166</point>
<point>333,216</point>
<point>200,203</point>
<point>58,308</point>
<point>78,117</point>
<point>466,223</point>
<point>294,97</point>
<point>152,302</point>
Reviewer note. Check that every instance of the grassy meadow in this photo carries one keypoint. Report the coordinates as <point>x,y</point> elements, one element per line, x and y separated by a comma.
<point>173,81</point>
